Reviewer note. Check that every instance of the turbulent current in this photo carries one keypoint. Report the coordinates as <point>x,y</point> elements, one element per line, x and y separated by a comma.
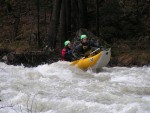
<point>60,88</point>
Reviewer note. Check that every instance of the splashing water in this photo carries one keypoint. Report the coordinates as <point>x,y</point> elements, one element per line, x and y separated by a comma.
<point>60,88</point>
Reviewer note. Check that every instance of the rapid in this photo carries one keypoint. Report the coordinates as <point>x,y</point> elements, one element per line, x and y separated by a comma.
<point>60,88</point>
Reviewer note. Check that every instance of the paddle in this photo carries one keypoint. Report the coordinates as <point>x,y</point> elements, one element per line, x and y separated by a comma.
<point>94,51</point>
<point>74,62</point>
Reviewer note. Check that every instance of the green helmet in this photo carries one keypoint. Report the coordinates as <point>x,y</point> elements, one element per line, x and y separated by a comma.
<point>83,36</point>
<point>66,42</point>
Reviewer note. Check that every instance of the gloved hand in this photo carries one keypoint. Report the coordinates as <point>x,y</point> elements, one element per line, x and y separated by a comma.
<point>101,47</point>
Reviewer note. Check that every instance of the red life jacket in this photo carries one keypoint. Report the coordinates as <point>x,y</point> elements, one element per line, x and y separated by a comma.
<point>63,52</point>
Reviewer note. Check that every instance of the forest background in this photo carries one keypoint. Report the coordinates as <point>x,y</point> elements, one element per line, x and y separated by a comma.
<point>33,31</point>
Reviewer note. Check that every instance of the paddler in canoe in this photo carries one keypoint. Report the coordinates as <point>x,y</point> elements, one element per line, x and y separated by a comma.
<point>82,50</point>
<point>86,57</point>
<point>66,52</point>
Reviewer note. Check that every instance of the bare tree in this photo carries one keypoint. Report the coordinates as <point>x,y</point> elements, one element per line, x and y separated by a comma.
<point>17,17</point>
<point>62,34</point>
<point>54,23</point>
<point>97,17</point>
<point>82,18</point>
<point>68,18</point>
<point>38,24</point>
<point>98,3</point>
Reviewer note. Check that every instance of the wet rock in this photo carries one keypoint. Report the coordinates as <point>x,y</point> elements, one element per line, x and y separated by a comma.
<point>4,58</point>
<point>126,60</point>
<point>30,58</point>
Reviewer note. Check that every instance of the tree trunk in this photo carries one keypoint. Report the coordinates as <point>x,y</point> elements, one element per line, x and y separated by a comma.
<point>81,14</point>
<point>98,3</point>
<point>74,15</point>
<point>68,18</point>
<point>97,18</point>
<point>45,17</point>
<point>54,23</point>
<point>62,34</point>
<point>16,25</point>
<point>85,13</point>
<point>17,21</point>
<point>38,23</point>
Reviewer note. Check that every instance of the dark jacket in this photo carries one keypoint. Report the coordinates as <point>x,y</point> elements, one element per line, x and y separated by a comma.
<point>83,49</point>
<point>66,54</point>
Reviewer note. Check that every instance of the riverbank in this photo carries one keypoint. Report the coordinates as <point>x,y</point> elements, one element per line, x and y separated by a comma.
<point>131,53</point>
<point>124,53</point>
<point>28,58</point>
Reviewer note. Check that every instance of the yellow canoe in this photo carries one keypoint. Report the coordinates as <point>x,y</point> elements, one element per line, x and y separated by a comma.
<point>94,62</point>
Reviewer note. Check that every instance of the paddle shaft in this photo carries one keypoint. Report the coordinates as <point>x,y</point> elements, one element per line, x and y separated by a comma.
<point>92,52</point>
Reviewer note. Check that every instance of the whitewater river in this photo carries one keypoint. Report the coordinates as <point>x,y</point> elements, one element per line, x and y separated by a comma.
<point>60,88</point>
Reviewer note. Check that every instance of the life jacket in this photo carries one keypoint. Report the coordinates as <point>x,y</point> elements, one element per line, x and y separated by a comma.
<point>65,54</point>
<point>83,49</point>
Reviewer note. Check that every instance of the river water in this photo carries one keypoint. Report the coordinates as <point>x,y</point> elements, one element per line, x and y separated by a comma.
<point>60,88</point>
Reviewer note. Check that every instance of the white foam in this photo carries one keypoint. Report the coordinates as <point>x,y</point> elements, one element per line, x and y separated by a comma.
<point>61,88</point>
